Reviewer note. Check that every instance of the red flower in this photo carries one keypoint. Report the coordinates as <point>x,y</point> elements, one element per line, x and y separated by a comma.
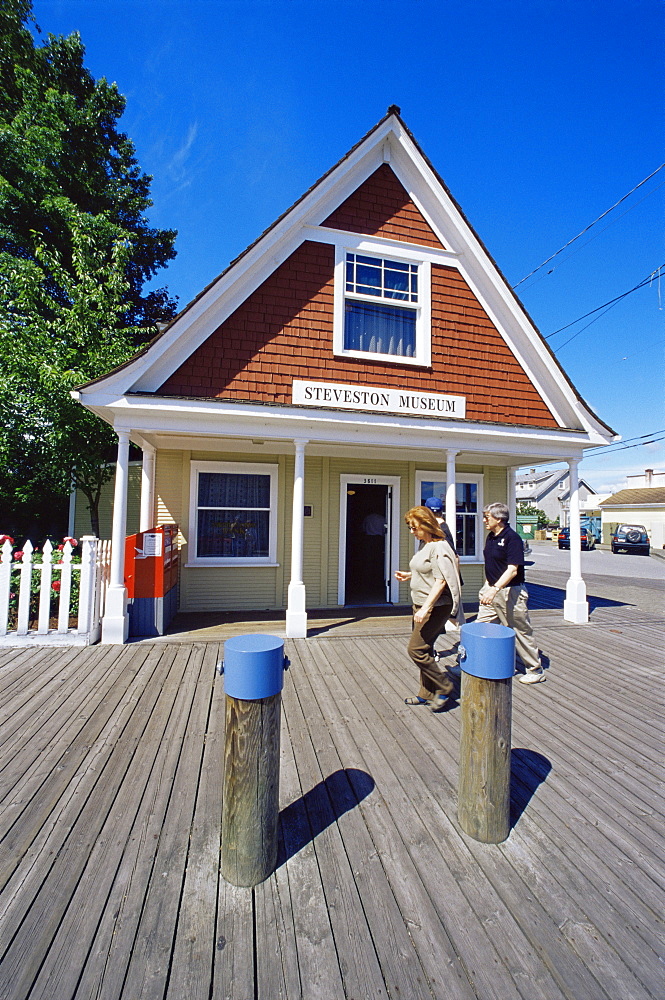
<point>72,541</point>
<point>56,585</point>
<point>60,548</point>
<point>18,554</point>
<point>6,538</point>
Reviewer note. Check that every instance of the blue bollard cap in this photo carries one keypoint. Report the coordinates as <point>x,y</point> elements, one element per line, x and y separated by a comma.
<point>487,650</point>
<point>253,666</point>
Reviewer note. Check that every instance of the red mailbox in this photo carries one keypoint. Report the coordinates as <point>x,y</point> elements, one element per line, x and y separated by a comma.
<point>151,579</point>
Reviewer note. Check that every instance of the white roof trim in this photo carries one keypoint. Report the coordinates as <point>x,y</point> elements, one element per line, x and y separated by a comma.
<point>155,416</point>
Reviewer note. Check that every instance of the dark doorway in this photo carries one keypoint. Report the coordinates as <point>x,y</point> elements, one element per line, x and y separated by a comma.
<point>368,522</point>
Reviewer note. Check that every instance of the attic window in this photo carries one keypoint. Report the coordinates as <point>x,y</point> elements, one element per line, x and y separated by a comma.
<point>380,308</point>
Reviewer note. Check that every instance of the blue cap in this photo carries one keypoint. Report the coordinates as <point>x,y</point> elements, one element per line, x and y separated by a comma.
<point>434,504</point>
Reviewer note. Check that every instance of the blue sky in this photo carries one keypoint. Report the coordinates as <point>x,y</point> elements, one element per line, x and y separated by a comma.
<point>538,114</point>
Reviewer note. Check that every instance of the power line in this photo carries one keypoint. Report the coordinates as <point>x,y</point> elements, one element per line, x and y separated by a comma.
<point>591,224</point>
<point>594,237</point>
<point>636,442</point>
<point>646,281</point>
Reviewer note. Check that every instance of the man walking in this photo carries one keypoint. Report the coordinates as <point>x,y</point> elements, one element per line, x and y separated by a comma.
<point>503,596</point>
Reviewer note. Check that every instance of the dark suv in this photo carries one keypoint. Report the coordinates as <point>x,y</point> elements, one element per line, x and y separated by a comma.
<point>630,538</point>
<point>587,538</point>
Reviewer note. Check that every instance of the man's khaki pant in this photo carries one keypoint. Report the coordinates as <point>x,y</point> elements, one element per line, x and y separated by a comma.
<point>509,608</point>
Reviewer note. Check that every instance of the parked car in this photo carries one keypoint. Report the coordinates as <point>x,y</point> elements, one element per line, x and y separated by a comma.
<point>630,538</point>
<point>587,538</point>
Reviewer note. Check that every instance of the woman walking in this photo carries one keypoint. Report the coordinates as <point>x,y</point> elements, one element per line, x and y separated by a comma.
<point>435,595</point>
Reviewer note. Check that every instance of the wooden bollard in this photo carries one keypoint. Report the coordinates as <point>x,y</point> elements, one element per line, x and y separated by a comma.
<point>488,663</point>
<point>253,671</point>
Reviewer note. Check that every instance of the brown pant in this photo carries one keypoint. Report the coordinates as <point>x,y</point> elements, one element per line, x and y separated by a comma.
<point>433,680</point>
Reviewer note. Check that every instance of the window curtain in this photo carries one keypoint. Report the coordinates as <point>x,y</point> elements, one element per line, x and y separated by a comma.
<point>235,526</point>
<point>379,329</point>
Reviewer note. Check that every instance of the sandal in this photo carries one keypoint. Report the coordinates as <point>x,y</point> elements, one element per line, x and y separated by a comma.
<point>415,700</point>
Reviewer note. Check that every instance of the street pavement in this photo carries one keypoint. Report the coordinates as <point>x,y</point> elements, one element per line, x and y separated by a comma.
<point>630,579</point>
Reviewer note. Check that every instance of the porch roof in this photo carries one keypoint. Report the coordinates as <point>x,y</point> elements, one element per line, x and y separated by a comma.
<point>216,424</point>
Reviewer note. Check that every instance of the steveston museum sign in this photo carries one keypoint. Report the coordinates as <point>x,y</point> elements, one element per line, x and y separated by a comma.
<point>376,399</point>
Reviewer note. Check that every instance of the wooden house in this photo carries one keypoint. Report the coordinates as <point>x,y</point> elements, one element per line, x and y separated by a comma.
<point>364,354</point>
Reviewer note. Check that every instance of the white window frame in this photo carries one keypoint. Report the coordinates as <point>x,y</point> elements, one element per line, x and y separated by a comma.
<point>461,477</point>
<point>238,468</point>
<point>423,308</point>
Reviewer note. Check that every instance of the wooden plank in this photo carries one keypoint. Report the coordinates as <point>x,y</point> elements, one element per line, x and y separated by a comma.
<point>397,926</point>
<point>277,956</point>
<point>233,973</point>
<point>36,858</point>
<point>59,778</point>
<point>24,697</point>
<point>174,799</point>
<point>465,907</point>
<point>353,940</point>
<point>570,973</point>
<point>40,743</point>
<point>619,758</point>
<point>27,664</point>
<point>635,938</point>
<point>602,866</point>
<point>195,946</point>
<point>615,810</point>
<point>318,961</point>
<point>35,935</point>
<point>143,865</point>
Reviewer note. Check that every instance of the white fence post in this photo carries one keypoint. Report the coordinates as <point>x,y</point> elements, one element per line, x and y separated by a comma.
<point>24,593</point>
<point>87,585</point>
<point>45,589</point>
<point>65,588</point>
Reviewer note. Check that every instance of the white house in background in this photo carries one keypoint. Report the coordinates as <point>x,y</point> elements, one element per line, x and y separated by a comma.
<point>642,503</point>
<point>645,479</point>
<point>549,489</point>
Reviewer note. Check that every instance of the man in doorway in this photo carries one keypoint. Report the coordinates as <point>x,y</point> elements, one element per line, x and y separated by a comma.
<point>503,597</point>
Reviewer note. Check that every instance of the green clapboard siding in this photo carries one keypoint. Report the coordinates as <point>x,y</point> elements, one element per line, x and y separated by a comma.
<point>82,524</point>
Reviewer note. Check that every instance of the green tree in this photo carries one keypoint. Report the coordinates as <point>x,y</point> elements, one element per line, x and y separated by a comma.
<point>48,442</point>
<point>76,250</point>
<point>59,137</point>
<point>526,508</point>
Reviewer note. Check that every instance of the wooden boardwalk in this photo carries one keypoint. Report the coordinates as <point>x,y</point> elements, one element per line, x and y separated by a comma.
<point>110,811</point>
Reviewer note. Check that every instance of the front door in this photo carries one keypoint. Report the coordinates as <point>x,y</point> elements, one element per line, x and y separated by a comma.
<point>366,541</point>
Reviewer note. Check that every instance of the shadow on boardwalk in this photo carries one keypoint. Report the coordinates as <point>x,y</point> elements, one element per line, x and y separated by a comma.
<point>110,807</point>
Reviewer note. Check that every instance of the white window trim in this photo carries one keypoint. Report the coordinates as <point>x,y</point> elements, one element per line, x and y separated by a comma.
<point>239,468</point>
<point>460,477</point>
<point>423,310</point>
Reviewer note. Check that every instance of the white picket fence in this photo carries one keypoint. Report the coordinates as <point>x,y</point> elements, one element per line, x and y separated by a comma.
<point>17,573</point>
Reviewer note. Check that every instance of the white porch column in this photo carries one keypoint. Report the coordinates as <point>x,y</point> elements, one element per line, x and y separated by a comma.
<point>575,606</point>
<point>296,615</point>
<point>146,519</point>
<point>511,476</point>
<point>451,494</point>
<point>115,622</point>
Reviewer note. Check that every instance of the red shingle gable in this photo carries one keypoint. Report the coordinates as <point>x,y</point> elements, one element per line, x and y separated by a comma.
<point>284,330</point>
<point>382,207</point>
